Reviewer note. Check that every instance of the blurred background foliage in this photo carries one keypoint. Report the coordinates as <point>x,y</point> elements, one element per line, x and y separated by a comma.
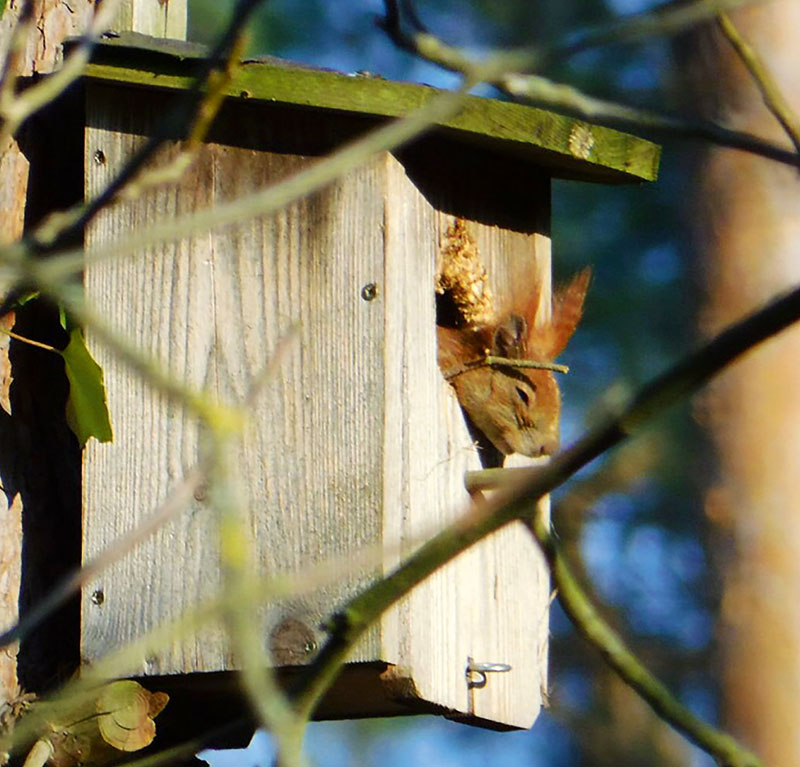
<point>637,531</point>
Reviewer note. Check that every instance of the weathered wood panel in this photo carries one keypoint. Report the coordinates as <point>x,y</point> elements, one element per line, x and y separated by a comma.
<point>212,309</point>
<point>53,22</point>
<point>31,454</point>
<point>490,604</point>
<point>159,18</point>
<point>10,582</point>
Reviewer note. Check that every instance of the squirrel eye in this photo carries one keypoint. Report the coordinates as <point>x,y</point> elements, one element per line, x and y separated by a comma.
<point>522,394</point>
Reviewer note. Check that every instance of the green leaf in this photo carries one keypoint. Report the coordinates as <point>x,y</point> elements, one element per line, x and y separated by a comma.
<point>31,294</point>
<point>87,412</point>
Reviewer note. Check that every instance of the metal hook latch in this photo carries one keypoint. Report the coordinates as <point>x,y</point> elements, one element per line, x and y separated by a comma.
<point>476,672</point>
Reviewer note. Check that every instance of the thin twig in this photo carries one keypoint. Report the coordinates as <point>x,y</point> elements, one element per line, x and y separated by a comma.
<point>599,634</point>
<point>490,479</point>
<point>514,502</point>
<point>242,599</point>
<point>240,611</point>
<point>770,91</point>
<point>665,20</point>
<point>490,360</point>
<point>506,71</point>
<point>148,367</point>
<point>72,584</point>
<point>177,499</point>
<point>14,53</point>
<point>187,748</point>
<point>196,131</point>
<point>191,116</point>
<point>29,341</point>
<point>180,118</point>
<point>493,361</point>
<point>668,19</point>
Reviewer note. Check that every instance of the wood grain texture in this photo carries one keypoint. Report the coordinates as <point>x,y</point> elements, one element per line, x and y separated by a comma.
<point>54,22</point>
<point>40,474</point>
<point>10,582</point>
<point>13,189</point>
<point>212,309</point>
<point>159,18</point>
<point>39,458</point>
<point>359,444</point>
<point>490,604</point>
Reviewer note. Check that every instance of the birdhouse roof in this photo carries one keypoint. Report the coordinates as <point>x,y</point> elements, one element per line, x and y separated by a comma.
<point>566,147</point>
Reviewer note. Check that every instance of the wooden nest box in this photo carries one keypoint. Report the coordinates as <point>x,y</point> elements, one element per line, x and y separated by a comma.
<point>357,451</point>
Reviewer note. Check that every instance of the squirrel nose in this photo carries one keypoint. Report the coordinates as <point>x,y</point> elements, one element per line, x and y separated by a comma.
<point>549,445</point>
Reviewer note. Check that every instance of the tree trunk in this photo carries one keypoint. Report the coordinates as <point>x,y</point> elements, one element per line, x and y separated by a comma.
<point>748,213</point>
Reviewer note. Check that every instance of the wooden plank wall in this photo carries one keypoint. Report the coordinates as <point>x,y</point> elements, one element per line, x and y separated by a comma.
<point>212,309</point>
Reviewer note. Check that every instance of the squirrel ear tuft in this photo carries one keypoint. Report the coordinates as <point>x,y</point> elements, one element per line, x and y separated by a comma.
<point>567,311</point>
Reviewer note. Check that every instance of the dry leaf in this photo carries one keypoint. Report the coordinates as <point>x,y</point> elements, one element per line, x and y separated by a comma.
<point>126,712</point>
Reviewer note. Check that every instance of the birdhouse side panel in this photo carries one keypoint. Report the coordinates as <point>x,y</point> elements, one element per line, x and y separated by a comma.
<point>490,604</point>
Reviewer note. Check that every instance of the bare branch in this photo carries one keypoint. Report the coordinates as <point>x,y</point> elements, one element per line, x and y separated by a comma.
<point>490,360</point>
<point>568,100</point>
<point>770,91</point>
<point>240,602</point>
<point>599,634</point>
<point>15,108</point>
<point>178,498</point>
<point>506,71</point>
<point>11,65</point>
<point>176,501</point>
<point>190,116</point>
<point>668,19</point>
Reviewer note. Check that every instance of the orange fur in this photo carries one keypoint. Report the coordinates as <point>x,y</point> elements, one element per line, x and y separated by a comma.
<point>517,409</point>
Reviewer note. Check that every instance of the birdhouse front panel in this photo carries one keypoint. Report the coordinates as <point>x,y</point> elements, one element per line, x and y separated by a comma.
<point>212,309</point>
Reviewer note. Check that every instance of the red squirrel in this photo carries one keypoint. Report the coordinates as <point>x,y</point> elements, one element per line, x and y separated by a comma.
<point>517,409</point>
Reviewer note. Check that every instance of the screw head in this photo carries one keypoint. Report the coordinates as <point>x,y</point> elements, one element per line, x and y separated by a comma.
<point>98,597</point>
<point>369,292</point>
<point>99,157</point>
